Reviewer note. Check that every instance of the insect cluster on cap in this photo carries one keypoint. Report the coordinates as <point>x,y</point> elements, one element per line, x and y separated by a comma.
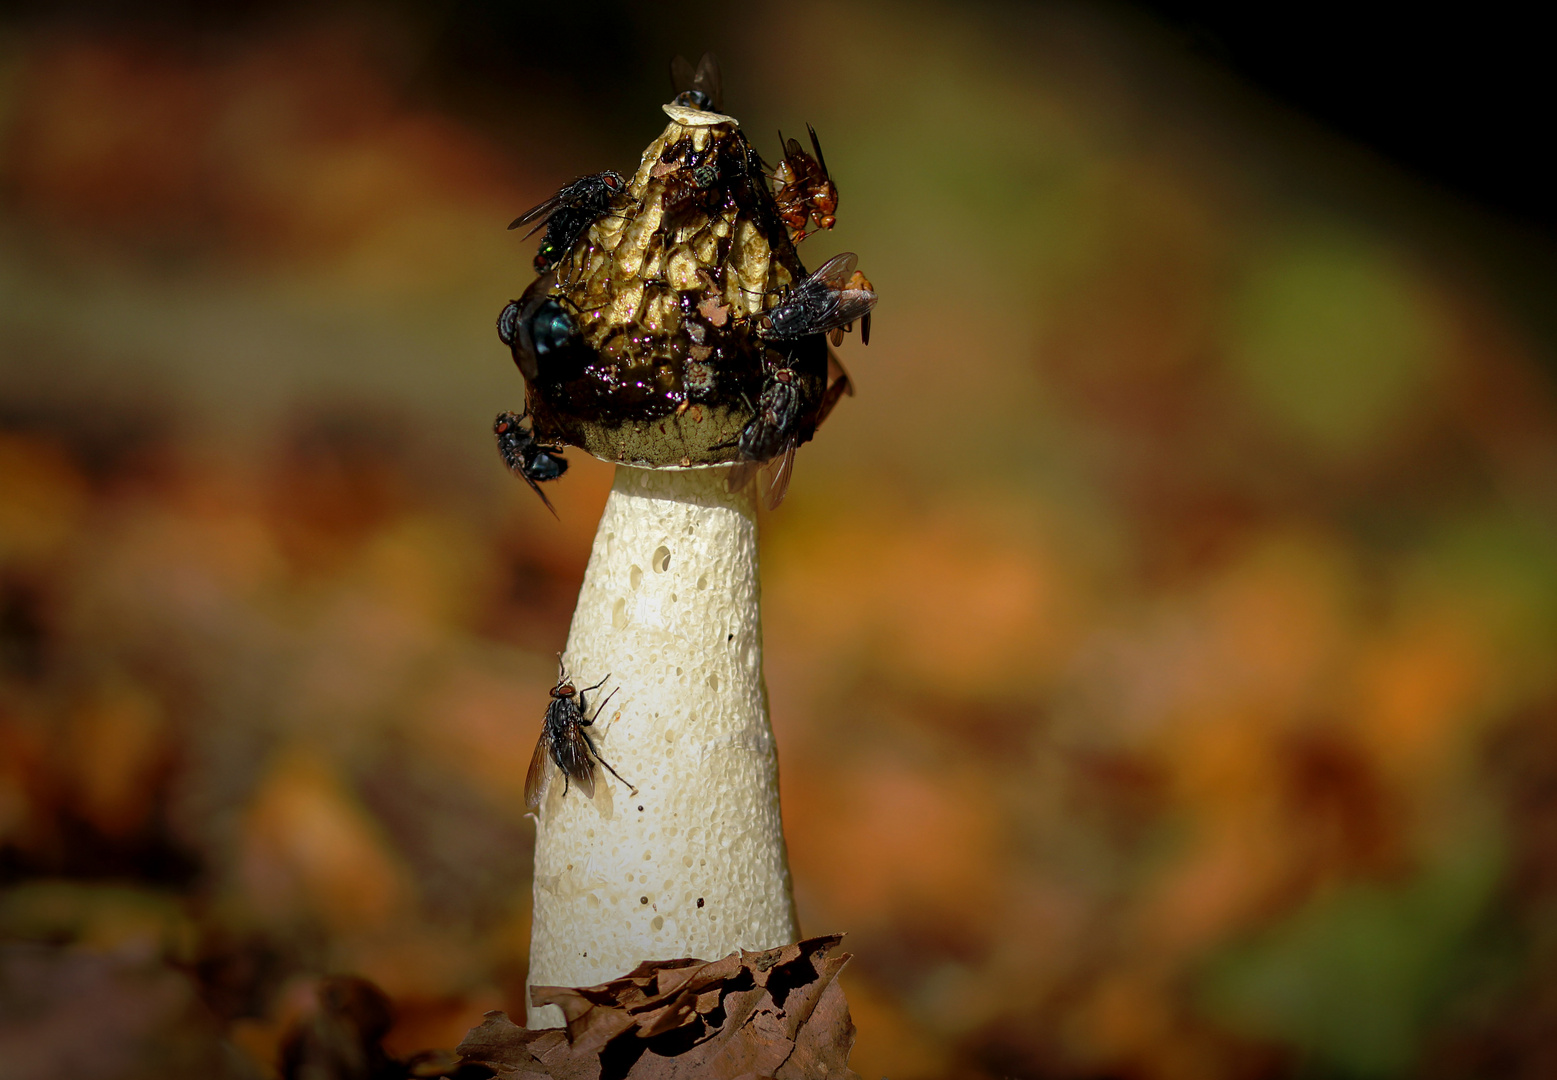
<point>827,302</point>
<point>673,323</point>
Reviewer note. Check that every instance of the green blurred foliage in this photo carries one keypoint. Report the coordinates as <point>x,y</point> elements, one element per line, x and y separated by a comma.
<point>1335,341</point>
<point>1356,977</point>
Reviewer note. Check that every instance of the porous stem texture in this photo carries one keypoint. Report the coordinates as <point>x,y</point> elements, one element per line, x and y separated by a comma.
<point>694,864</point>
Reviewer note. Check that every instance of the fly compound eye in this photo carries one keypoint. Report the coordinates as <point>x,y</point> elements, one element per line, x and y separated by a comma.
<point>508,324</point>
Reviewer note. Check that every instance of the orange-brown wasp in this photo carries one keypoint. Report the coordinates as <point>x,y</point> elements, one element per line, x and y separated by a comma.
<point>805,191</point>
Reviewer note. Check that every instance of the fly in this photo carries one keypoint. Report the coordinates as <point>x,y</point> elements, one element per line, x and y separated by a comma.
<point>569,212</point>
<point>701,89</point>
<point>694,183</point>
<point>543,336</point>
<point>564,740</point>
<point>529,459</point>
<point>829,300</point>
<point>768,442</point>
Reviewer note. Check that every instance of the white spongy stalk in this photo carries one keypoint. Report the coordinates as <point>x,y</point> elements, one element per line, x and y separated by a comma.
<point>694,864</point>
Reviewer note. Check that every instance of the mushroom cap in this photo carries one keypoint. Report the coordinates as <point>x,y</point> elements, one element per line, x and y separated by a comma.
<point>640,345</point>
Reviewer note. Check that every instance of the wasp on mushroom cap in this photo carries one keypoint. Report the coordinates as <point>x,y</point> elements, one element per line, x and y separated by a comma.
<point>805,191</point>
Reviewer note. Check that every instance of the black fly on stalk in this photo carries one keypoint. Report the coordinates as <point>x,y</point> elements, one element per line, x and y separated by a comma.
<point>830,299</point>
<point>701,89</point>
<point>529,460</point>
<point>564,740</point>
<point>569,212</point>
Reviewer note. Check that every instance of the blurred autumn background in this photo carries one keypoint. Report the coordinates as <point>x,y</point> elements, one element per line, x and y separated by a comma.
<point>1160,644</point>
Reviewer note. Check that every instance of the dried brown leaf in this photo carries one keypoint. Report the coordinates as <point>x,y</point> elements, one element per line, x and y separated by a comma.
<point>779,1013</point>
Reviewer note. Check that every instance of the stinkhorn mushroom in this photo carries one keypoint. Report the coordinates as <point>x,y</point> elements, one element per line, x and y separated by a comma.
<point>673,329</point>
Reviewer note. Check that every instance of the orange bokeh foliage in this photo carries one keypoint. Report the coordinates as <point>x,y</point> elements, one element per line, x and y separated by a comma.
<point>1123,642</point>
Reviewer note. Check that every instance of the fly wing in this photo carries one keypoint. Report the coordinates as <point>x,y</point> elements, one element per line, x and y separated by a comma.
<point>573,757</point>
<point>851,304</point>
<point>822,302</point>
<point>776,475</point>
<point>537,489</point>
<point>682,77</point>
<point>708,80</point>
<point>741,474</point>
<point>535,779</point>
<point>538,214</point>
<point>855,296</point>
<point>836,271</point>
<point>817,146</point>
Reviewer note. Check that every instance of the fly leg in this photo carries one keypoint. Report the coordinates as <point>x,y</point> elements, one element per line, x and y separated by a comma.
<point>591,744</point>
<point>592,689</point>
<point>586,721</point>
